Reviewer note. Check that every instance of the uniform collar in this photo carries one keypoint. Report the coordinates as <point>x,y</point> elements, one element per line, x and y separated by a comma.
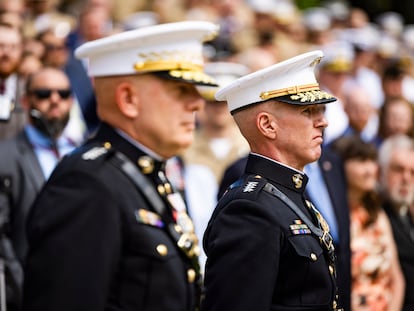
<point>276,172</point>
<point>147,161</point>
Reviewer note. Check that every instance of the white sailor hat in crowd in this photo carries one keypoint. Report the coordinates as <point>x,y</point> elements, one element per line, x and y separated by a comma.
<point>408,36</point>
<point>339,56</point>
<point>364,38</point>
<point>171,50</point>
<point>391,22</point>
<point>317,19</point>
<point>284,11</point>
<point>223,73</point>
<point>339,10</point>
<point>140,19</point>
<point>292,81</point>
<point>388,47</point>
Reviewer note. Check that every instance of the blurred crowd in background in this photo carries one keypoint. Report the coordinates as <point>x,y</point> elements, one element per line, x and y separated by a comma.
<point>375,53</point>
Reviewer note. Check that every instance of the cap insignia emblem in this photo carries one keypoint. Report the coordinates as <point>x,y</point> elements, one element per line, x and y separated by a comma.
<point>316,61</point>
<point>311,96</point>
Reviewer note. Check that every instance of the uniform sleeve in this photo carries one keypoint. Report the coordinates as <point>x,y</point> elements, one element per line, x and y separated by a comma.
<point>74,237</point>
<point>243,246</point>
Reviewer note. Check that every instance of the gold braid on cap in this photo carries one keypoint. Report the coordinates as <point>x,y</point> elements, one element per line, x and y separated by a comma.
<point>304,93</point>
<point>164,65</point>
<point>180,65</point>
<point>176,69</point>
<point>208,93</point>
<point>339,65</point>
<point>169,60</point>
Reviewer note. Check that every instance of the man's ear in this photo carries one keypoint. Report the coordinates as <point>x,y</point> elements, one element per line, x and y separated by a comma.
<point>127,99</point>
<point>267,125</point>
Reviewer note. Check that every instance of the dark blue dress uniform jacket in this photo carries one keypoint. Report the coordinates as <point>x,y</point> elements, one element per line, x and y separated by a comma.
<point>89,250</point>
<point>405,246</point>
<point>255,260</point>
<point>332,171</point>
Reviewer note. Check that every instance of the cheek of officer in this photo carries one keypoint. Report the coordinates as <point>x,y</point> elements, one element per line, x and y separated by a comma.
<point>262,254</point>
<point>103,232</point>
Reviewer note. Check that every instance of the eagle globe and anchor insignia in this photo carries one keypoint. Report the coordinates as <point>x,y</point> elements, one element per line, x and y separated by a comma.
<point>297,180</point>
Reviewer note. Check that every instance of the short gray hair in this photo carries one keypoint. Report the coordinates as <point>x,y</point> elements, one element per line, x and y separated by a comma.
<point>390,145</point>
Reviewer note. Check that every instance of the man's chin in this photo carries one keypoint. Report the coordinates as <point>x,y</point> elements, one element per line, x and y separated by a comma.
<point>176,149</point>
<point>317,153</point>
<point>185,144</point>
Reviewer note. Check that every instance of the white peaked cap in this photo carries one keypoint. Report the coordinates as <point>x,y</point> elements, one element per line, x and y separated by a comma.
<point>317,19</point>
<point>175,49</point>
<point>292,81</point>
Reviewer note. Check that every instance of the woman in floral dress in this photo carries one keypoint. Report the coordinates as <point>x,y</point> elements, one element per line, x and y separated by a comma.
<point>377,280</point>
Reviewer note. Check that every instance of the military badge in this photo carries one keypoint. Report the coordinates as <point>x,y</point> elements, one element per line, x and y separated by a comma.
<point>298,227</point>
<point>148,218</point>
<point>322,222</point>
<point>146,164</point>
<point>188,241</point>
<point>94,153</point>
<point>176,201</point>
<point>297,180</point>
<point>250,186</point>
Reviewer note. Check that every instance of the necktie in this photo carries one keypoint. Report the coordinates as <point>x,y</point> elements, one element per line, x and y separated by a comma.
<point>54,148</point>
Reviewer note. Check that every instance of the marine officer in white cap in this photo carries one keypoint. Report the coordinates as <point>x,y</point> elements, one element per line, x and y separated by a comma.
<point>108,231</point>
<point>267,247</point>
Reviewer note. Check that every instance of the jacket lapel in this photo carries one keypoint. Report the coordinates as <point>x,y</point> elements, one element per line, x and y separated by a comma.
<point>29,161</point>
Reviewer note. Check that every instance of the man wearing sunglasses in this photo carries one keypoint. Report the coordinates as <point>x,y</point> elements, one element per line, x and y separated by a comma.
<point>84,120</point>
<point>29,158</point>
